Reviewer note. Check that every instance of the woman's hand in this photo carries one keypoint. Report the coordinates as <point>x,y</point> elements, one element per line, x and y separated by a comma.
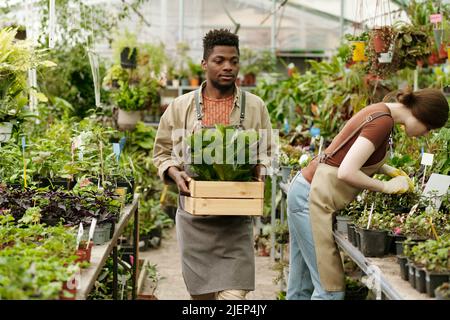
<point>396,185</point>
<point>394,172</point>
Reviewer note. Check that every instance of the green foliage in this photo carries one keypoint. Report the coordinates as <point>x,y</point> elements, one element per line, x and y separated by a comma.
<point>223,153</point>
<point>130,98</point>
<point>432,254</point>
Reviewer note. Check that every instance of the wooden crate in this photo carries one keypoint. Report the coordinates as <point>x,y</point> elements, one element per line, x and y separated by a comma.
<point>225,198</point>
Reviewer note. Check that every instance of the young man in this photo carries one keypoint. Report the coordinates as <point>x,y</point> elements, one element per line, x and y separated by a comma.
<point>217,251</point>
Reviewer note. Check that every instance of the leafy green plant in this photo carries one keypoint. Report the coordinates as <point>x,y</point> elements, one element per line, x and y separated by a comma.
<point>432,254</point>
<point>223,154</point>
<point>130,98</point>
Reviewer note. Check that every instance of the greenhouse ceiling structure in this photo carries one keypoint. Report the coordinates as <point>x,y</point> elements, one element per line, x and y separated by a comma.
<point>293,26</point>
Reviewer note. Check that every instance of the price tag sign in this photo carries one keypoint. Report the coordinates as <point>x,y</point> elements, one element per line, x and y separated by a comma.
<point>413,209</point>
<point>427,159</point>
<point>117,150</point>
<point>435,18</point>
<point>80,234</point>
<point>92,229</point>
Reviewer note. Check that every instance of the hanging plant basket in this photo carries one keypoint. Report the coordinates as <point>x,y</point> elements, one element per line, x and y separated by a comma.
<point>128,58</point>
<point>5,131</point>
<point>359,48</point>
<point>438,36</point>
<point>382,38</point>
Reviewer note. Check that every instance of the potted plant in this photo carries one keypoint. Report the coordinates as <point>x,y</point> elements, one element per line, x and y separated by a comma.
<point>373,240</point>
<point>131,101</point>
<point>249,66</point>
<point>358,43</point>
<point>115,74</point>
<point>281,231</point>
<point>195,73</point>
<point>355,289</point>
<point>443,292</point>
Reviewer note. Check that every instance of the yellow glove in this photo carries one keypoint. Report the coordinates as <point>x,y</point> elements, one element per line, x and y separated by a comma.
<point>396,185</point>
<point>394,172</point>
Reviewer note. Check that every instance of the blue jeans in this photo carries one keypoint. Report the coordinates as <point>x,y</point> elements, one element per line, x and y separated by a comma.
<point>304,280</point>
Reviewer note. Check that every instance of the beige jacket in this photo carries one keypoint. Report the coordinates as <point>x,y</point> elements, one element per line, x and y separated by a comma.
<point>181,114</point>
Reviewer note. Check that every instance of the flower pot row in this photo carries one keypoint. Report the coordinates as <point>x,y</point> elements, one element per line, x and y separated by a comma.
<point>422,280</point>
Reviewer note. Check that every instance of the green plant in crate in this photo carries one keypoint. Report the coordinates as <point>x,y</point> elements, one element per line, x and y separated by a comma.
<point>223,154</point>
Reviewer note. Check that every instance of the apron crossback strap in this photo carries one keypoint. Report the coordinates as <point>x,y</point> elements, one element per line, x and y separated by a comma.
<point>323,157</point>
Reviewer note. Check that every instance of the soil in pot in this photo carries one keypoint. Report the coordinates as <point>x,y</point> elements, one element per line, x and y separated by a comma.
<point>434,280</point>
<point>404,271</point>
<point>373,242</point>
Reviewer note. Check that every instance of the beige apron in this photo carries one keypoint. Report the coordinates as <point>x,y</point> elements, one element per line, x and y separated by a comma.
<point>327,195</point>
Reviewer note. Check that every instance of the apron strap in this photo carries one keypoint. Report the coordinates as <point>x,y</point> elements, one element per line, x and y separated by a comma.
<point>242,115</point>
<point>197,104</point>
<point>371,117</point>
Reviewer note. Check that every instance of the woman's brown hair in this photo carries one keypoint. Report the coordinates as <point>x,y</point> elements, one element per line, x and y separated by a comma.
<point>429,106</point>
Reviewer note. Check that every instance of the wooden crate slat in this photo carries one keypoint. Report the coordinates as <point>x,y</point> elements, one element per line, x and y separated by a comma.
<point>226,189</point>
<point>228,207</point>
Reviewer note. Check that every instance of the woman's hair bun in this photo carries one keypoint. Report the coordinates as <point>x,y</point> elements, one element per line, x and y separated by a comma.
<point>406,97</point>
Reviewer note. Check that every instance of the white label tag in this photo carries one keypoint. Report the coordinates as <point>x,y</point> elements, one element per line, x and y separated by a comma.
<point>427,159</point>
<point>413,209</point>
<point>92,229</point>
<point>80,234</point>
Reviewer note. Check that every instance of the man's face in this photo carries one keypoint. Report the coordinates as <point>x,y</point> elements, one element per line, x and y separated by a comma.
<point>222,66</point>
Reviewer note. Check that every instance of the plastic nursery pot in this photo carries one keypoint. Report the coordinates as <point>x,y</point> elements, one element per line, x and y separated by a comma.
<point>397,244</point>
<point>285,173</point>
<point>434,280</point>
<point>443,292</point>
<point>69,290</point>
<point>378,43</point>
<point>126,120</point>
<point>359,48</point>
<point>358,237</point>
<point>83,252</point>
<point>127,58</point>
<point>390,238</point>
<point>412,274</point>
<point>342,222</point>
<point>404,271</point>
<point>356,293</point>
<point>373,242</point>
<point>351,233</point>
<point>420,280</point>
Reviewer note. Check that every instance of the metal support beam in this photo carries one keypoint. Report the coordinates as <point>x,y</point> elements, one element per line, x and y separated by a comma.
<point>180,20</point>
<point>342,19</point>
<point>273,41</point>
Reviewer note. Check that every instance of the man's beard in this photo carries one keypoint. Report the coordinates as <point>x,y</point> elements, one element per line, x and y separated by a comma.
<point>222,87</point>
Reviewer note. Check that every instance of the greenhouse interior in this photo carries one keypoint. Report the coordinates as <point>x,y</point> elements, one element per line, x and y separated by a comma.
<point>224,150</point>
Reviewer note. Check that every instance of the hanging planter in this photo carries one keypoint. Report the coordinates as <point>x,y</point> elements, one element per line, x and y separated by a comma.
<point>128,58</point>
<point>127,120</point>
<point>5,131</point>
<point>438,36</point>
<point>359,48</point>
<point>443,48</point>
<point>382,38</point>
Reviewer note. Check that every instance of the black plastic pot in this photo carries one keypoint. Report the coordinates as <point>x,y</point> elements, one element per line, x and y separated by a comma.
<point>358,237</point>
<point>356,293</point>
<point>420,280</point>
<point>412,274</point>
<point>127,59</point>
<point>373,242</point>
<point>434,280</point>
<point>403,263</point>
<point>342,222</point>
<point>171,211</point>
<point>351,233</point>
<point>390,239</point>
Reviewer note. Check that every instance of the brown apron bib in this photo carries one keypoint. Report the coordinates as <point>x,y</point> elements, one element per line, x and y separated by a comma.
<point>327,195</point>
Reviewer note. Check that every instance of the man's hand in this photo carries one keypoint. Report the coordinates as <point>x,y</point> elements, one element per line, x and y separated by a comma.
<point>181,179</point>
<point>260,172</point>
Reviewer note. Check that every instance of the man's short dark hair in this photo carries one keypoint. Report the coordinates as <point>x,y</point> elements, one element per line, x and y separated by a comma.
<point>219,37</point>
